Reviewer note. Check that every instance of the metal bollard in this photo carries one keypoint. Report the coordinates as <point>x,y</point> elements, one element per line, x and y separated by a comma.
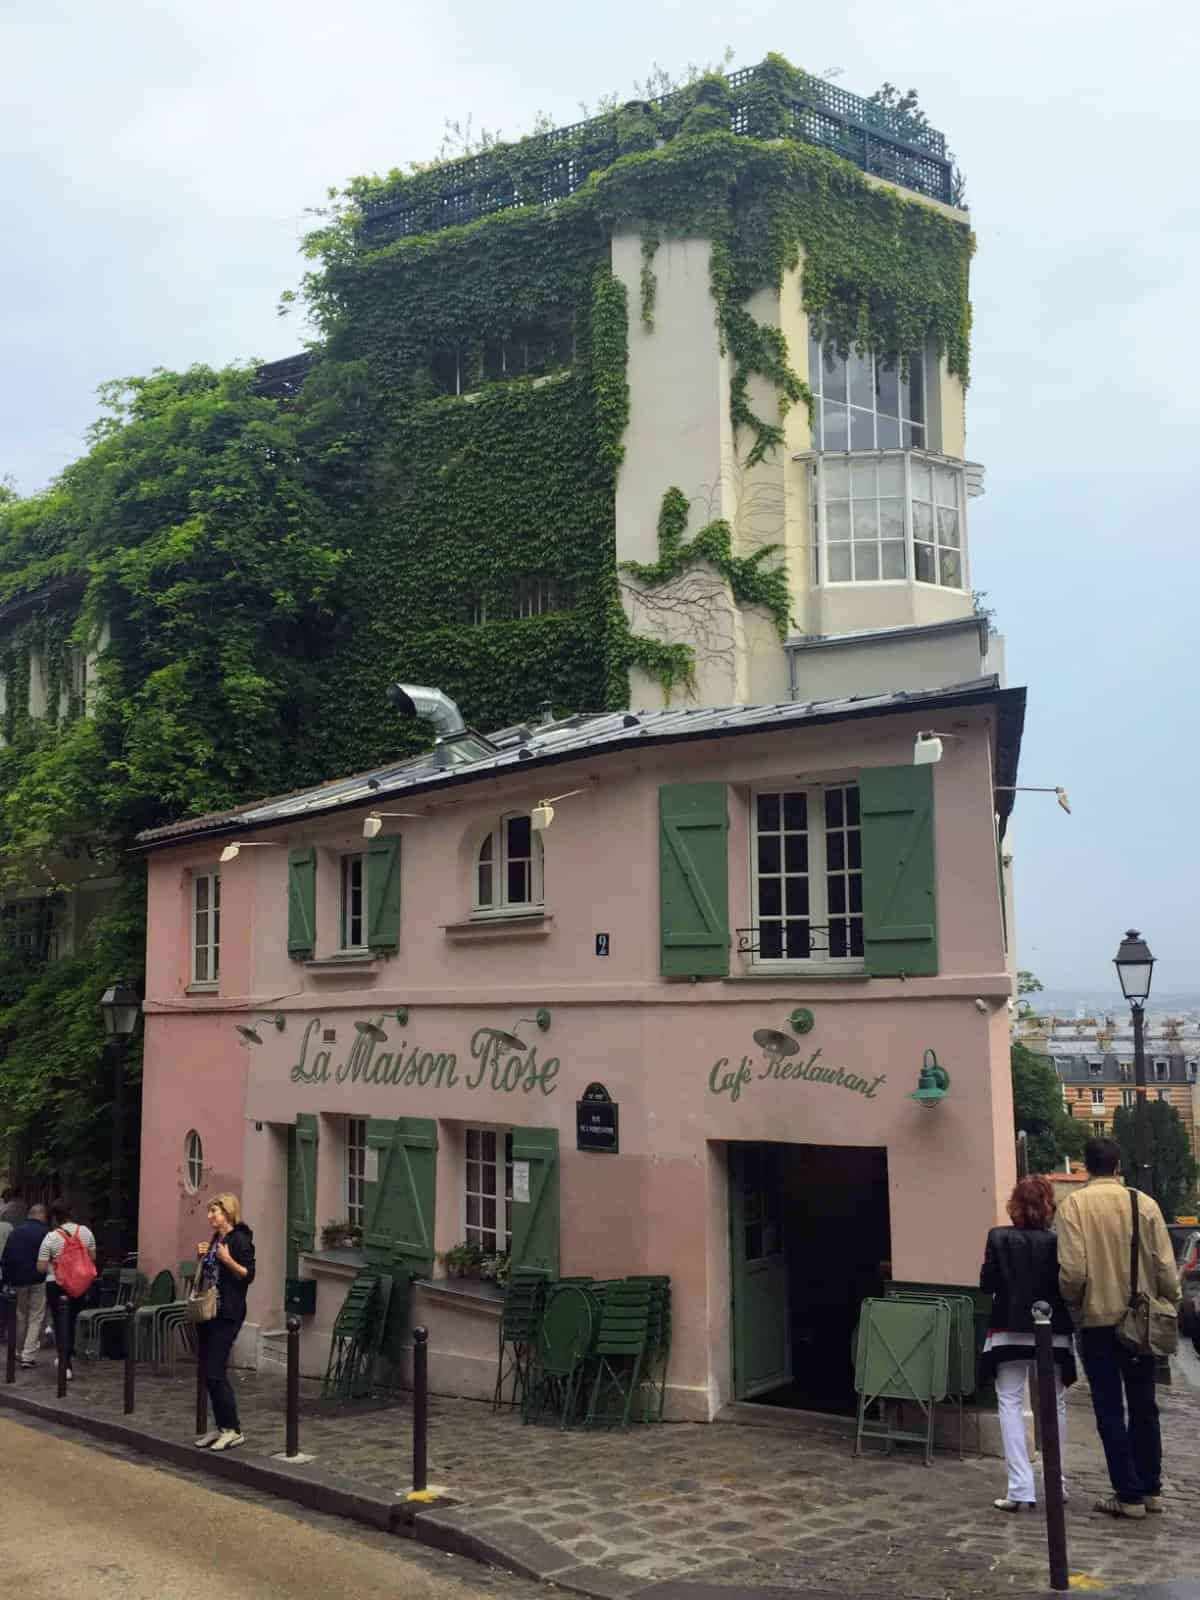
<point>293,1388</point>
<point>130,1356</point>
<point>10,1317</point>
<point>201,1388</point>
<point>420,1469</point>
<point>61,1324</point>
<point>1056,1522</point>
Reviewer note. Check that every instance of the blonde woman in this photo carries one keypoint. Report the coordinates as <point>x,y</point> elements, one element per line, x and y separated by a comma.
<point>227,1259</point>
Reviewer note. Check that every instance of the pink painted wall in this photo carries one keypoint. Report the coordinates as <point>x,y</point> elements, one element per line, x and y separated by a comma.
<point>660,1204</point>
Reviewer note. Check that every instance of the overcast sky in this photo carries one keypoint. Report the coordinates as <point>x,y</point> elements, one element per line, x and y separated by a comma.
<point>156,161</point>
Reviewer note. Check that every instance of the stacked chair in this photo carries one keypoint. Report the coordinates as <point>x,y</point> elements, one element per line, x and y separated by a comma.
<point>119,1287</point>
<point>354,1345</point>
<point>520,1320</point>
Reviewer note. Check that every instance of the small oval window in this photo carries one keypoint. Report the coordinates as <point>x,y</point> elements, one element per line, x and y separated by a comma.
<point>193,1162</point>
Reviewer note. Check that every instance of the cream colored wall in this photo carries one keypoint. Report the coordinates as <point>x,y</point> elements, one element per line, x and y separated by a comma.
<point>876,666</point>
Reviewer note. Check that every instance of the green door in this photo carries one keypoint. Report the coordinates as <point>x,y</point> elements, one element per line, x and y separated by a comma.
<point>762,1344</point>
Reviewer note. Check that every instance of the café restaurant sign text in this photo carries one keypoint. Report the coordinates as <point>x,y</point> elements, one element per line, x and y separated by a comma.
<point>725,1079</point>
<point>495,1065</point>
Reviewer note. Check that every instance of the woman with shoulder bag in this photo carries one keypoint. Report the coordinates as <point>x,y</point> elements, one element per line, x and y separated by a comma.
<point>1020,1268</point>
<point>226,1265</point>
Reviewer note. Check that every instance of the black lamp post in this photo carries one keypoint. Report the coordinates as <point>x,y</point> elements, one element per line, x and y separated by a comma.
<point>1135,968</point>
<point>120,1007</point>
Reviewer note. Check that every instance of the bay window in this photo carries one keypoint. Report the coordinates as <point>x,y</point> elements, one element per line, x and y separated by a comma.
<point>889,516</point>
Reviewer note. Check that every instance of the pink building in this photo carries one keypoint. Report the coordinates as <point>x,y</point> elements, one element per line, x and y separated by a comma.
<point>750,928</point>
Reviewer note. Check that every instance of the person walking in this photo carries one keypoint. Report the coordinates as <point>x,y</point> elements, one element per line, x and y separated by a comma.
<point>227,1260</point>
<point>63,1295</point>
<point>1095,1239</point>
<point>19,1265</point>
<point>1020,1267</point>
<point>12,1207</point>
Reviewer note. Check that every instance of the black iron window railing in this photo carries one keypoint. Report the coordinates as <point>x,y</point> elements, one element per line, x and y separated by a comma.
<point>879,140</point>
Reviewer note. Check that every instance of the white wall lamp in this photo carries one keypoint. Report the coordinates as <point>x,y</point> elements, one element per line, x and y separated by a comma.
<point>373,821</point>
<point>1024,788</point>
<point>927,747</point>
<point>232,851</point>
<point>542,814</point>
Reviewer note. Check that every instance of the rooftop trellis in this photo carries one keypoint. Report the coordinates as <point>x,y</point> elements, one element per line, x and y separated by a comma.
<point>552,165</point>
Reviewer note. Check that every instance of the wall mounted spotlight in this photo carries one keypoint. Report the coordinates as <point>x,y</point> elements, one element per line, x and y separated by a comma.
<point>373,821</point>
<point>232,851</point>
<point>927,747</point>
<point>1025,788</point>
<point>542,814</point>
<point>251,1035</point>
<point>371,1030</point>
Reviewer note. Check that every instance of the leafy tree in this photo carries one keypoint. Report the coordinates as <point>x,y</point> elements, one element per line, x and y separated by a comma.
<point>1051,1134</point>
<point>1027,983</point>
<point>1173,1171</point>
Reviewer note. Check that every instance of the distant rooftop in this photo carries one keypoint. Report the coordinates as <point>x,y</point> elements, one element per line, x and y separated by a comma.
<point>551,165</point>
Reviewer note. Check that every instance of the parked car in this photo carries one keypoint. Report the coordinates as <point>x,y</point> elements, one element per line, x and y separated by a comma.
<point>1185,1237</point>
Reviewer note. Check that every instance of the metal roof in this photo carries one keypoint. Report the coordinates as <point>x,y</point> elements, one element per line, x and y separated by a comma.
<point>593,734</point>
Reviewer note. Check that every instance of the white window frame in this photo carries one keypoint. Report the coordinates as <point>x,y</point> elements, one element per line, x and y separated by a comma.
<point>499,905</point>
<point>1162,1070</point>
<point>1098,1128</point>
<point>1096,1066</point>
<point>211,945</point>
<point>1098,1097</point>
<point>821,464</point>
<point>193,1162</point>
<point>818,880</point>
<point>355,1174</point>
<point>533,596</point>
<point>501,1195</point>
<point>1162,1094</point>
<point>816,382</point>
<point>346,915</point>
<point>1127,1099</point>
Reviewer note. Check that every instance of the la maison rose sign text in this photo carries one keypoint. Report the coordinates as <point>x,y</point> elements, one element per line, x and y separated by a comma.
<point>495,1065</point>
<point>730,1080</point>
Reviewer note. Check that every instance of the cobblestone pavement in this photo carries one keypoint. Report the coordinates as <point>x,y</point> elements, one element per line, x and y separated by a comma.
<point>725,1505</point>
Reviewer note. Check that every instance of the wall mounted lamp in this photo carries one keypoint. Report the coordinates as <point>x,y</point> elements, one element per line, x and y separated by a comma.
<point>232,851</point>
<point>373,821</point>
<point>513,1040</point>
<point>1025,788</point>
<point>933,1085</point>
<point>542,814</point>
<point>250,1033</point>
<point>927,747</point>
<point>372,1030</point>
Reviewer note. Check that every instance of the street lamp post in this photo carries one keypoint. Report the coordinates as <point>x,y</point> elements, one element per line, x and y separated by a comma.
<point>1135,968</point>
<point>120,1007</point>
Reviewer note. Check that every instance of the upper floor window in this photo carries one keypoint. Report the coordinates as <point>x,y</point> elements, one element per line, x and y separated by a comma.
<point>508,867</point>
<point>206,927</point>
<point>356,1170</point>
<point>524,597</point>
<point>27,928</point>
<point>1096,1067</point>
<point>889,518</point>
<point>1162,1071</point>
<point>1127,1098</point>
<point>806,886</point>
<point>1126,1071</point>
<point>1162,1094</point>
<point>1097,1097</point>
<point>354,901</point>
<point>534,350</point>
<point>865,403</point>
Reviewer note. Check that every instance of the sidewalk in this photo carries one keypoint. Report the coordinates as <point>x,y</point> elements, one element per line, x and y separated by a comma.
<point>667,1512</point>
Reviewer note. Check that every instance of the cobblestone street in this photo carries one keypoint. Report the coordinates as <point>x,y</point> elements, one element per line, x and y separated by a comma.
<point>729,1505</point>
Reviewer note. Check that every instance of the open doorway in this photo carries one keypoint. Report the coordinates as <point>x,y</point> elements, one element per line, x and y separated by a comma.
<point>810,1237</point>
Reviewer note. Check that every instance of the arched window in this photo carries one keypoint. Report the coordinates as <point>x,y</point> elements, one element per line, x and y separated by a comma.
<point>508,868</point>
<point>193,1162</point>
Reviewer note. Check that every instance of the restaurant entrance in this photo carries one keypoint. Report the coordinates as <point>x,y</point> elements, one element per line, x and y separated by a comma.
<point>810,1238</point>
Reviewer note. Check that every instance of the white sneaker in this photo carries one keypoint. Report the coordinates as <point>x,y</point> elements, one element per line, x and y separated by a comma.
<point>205,1439</point>
<point>228,1439</point>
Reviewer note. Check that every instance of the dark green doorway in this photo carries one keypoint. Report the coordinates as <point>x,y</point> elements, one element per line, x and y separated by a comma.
<point>810,1237</point>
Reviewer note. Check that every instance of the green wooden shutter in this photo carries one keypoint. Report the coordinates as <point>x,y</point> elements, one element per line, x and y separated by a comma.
<point>302,904</point>
<point>301,1191</point>
<point>899,896</point>
<point>693,880</point>
<point>399,1202</point>
<point>535,1221</point>
<point>383,894</point>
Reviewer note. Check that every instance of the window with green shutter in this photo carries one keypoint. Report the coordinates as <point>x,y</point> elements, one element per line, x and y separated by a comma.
<point>301,1190</point>
<point>383,894</point>
<point>535,1221</point>
<point>399,1198</point>
<point>899,891</point>
<point>302,903</point>
<point>693,880</point>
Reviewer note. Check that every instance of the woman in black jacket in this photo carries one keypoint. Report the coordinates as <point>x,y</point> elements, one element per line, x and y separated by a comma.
<point>1020,1268</point>
<point>227,1260</point>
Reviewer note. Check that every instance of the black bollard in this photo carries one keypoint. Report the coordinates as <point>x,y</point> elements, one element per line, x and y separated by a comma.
<point>293,1387</point>
<point>10,1317</point>
<point>420,1470</point>
<point>201,1388</point>
<point>1056,1522</point>
<point>61,1324</point>
<point>130,1357</point>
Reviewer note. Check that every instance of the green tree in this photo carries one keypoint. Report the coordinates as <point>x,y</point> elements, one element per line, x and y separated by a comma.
<point>1173,1171</point>
<point>1028,983</point>
<point>1051,1135</point>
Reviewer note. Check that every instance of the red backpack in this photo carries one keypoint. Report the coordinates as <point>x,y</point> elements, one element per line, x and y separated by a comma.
<point>74,1270</point>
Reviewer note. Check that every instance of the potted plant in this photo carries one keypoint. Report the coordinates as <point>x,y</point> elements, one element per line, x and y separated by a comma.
<point>463,1260</point>
<point>343,1235</point>
<point>496,1268</point>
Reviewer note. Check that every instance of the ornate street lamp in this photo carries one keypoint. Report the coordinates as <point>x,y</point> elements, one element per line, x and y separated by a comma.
<point>120,1007</point>
<point>1135,969</point>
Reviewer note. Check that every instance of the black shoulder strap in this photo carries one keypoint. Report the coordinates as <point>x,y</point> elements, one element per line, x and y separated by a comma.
<point>1133,1248</point>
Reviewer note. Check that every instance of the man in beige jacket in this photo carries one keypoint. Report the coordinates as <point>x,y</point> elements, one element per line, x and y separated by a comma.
<point>1095,1233</point>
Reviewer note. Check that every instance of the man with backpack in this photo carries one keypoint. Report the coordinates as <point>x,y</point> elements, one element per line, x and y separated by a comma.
<point>68,1258</point>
